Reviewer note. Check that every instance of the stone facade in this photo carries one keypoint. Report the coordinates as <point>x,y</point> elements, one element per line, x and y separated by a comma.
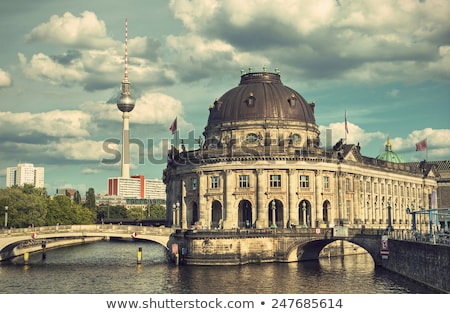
<point>312,191</point>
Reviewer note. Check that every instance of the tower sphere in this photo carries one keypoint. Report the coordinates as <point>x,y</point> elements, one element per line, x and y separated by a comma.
<point>126,103</point>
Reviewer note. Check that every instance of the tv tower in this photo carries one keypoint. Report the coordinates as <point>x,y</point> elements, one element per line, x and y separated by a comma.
<point>126,104</point>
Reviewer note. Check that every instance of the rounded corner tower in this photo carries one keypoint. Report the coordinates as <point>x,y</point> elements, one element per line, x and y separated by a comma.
<point>263,111</point>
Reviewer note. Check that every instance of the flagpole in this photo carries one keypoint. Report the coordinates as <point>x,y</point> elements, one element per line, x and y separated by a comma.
<point>345,126</point>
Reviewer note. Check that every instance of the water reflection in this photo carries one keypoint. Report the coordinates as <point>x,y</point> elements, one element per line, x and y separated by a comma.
<point>111,267</point>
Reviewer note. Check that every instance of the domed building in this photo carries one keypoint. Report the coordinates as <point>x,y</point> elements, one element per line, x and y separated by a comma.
<point>260,164</point>
<point>389,155</point>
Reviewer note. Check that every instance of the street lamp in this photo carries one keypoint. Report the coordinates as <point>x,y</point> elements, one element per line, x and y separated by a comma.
<point>389,228</point>
<point>176,208</point>
<point>6,216</point>
<point>274,207</point>
<point>304,213</point>
<point>413,216</point>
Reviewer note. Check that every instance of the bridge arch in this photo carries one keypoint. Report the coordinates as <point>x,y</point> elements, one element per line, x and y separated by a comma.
<point>310,250</point>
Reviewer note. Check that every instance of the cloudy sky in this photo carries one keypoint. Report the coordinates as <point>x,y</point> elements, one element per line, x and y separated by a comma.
<point>385,63</point>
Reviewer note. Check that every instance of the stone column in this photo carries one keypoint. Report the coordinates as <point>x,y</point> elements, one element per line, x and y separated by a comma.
<point>339,199</point>
<point>357,201</point>
<point>292,197</point>
<point>318,217</point>
<point>261,214</point>
<point>333,215</point>
<point>229,219</point>
<point>204,213</point>
<point>183,209</point>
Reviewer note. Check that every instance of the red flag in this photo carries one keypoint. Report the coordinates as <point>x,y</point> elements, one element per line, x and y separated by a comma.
<point>173,126</point>
<point>422,145</point>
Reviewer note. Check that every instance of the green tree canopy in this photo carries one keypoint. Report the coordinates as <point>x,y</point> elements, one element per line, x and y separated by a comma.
<point>30,206</point>
<point>26,205</point>
<point>157,211</point>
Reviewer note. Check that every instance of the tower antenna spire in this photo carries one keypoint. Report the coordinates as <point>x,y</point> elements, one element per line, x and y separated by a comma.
<point>126,51</point>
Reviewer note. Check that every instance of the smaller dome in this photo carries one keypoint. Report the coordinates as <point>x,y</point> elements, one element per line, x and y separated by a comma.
<point>389,155</point>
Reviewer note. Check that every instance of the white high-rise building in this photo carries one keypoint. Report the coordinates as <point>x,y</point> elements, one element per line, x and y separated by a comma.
<point>155,189</point>
<point>137,187</point>
<point>25,174</point>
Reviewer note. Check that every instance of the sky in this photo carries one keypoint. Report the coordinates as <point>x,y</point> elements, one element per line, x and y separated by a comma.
<point>384,65</point>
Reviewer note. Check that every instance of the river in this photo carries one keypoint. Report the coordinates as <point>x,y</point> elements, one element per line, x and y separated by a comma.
<point>111,268</point>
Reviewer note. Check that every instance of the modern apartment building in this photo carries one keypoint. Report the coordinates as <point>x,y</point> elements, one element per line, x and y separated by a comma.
<point>25,173</point>
<point>137,187</point>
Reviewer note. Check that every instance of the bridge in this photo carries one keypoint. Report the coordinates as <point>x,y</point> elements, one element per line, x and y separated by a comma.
<point>15,242</point>
<point>423,259</point>
<point>289,244</point>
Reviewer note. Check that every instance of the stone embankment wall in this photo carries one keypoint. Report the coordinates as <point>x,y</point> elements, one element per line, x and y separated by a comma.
<point>229,251</point>
<point>423,262</point>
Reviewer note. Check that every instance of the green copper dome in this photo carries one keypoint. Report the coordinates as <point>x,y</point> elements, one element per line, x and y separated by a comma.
<point>389,155</point>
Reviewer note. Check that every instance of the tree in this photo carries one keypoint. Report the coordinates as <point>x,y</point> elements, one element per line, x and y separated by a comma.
<point>106,211</point>
<point>157,211</point>
<point>26,205</point>
<point>90,199</point>
<point>135,212</point>
<point>61,210</point>
<point>77,197</point>
<point>30,206</point>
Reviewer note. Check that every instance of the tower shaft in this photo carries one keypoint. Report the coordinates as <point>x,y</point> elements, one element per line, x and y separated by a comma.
<point>126,145</point>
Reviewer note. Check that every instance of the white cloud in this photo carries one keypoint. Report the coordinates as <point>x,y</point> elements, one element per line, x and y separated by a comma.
<point>355,134</point>
<point>151,108</point>
<point>5,79</point>
<point>95,69</point>
<point>193,13</point>
<point>102,111</point>
<point>85,31</point>
<point>64,149</point>
<point>437,141</point>
<point>368,41</point>
<point>42,67</point>
<point>198,57</point>
<point>198,15</point>
<point>156,108</point>
<point>78,149</point>
<point>56,123</point>
<point>90,171</point>
<point>437,144</point>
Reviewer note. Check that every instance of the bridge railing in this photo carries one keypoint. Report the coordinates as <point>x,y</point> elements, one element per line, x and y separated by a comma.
<point>440,238</point>
<point>300,231</point>
<point>84,228</point>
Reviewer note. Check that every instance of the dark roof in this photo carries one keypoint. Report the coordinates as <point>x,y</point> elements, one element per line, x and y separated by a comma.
<point>261,95</point>
<point>442,166</point>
